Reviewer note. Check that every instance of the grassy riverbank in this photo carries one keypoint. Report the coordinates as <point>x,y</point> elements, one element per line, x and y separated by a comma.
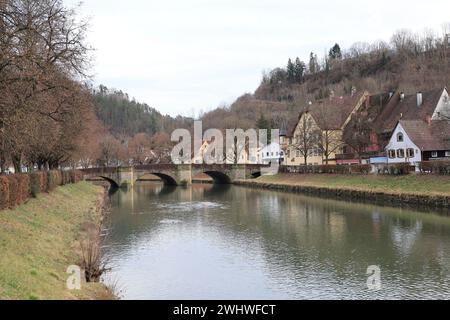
<point>410,184</point>
<point>40,239</point>
<point>422,190</point>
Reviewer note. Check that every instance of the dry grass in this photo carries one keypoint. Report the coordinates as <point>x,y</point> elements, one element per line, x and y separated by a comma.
<point>40,239</point>
<point>410,184</point>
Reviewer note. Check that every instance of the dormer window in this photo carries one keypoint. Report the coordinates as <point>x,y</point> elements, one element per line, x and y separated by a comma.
<point>400,137</point>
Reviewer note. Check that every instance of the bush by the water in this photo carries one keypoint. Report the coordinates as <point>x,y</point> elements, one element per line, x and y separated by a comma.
<point>437,167</point>
<point>15,189</point>
<point>330,169</point>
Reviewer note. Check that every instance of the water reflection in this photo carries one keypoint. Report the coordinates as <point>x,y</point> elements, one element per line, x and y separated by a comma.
<point>222,242</point>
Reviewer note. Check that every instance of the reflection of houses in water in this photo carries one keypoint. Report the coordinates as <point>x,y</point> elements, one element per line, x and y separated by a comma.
<point>376,224</point>
<point>337,225</point>
<point>404,238</point>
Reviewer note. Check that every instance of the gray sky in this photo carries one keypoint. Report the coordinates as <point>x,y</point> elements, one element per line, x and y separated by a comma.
<point>183,56</point>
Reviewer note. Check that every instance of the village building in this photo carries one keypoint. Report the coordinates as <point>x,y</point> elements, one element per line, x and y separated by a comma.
<point>245,155</point>
<point>414,141</point>
<point>271,154</point>
<point>426,106</point>
<point>417,127</point>
<point>318,133</point>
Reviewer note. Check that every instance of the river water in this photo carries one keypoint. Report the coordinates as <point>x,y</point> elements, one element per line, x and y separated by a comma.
<point>229,242</point>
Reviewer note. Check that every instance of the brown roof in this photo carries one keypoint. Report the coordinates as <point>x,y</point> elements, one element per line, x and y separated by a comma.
<point>331,113</point>
<point>407,109</point>
<point>428,137</point>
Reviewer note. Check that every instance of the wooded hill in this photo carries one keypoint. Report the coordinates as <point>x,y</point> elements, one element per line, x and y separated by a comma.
<point>409,62</point>
<point>123,116</point>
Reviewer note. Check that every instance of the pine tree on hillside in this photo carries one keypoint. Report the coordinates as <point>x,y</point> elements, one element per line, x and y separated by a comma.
<point>263,123</point>
<point>290,71</point>
<point>313,63</point>
<point>299,70</point>
<point>335,52</point>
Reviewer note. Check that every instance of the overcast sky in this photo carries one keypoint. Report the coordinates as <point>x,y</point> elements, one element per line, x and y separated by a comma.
<point>184,56</point>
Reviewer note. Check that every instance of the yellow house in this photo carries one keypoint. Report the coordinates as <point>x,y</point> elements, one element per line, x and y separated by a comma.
<point>317,136</point>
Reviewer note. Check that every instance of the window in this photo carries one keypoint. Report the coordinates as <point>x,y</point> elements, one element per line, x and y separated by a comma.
<point>400,153</point>
<point>298,153</point>
<point>392,154</point>
<point>267,154</point>
<point>434,154</point>
<point>400,137</point>
<point>410,153</point>
<point>447,153</point>
<point>281,153</point>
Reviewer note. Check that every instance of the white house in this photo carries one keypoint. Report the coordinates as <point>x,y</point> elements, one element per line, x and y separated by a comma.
<point>271,153</point>
<point>401,148</point>
<point>414,141</point>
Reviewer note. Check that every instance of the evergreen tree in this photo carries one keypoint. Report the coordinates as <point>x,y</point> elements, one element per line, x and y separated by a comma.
<point>335,52</point>
<point>299,70</point>
<point>263,123</point>
<point>290,71</point>
<point>313,63</point>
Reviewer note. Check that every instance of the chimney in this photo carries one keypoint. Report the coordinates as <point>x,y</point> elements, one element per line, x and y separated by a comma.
<point>390,94</point>
<point>402,96</point>
<point>419,99</point>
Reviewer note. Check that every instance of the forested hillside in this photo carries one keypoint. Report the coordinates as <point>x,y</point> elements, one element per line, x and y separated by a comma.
<point>123,116</point>
<point>408,62</point>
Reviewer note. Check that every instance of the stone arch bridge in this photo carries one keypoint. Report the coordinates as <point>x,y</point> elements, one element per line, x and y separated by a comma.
<point>172,174</point>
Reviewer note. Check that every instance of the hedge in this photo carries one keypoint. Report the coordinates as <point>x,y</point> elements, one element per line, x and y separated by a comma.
<point>15,189</point>
<point>323,169</point>
<point>436,167</point>
<point>391,169</point>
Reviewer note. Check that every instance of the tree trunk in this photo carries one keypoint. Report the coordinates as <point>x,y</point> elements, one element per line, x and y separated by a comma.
<point>17,163</point>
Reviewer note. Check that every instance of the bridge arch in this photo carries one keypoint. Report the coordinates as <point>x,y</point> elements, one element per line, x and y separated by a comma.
<point>167,179</point>
<point>114,184</point>
<point>218,177</point>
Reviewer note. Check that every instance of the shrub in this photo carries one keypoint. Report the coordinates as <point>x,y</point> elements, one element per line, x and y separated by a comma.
<point>328,169</point>
<point>23,187</point>
<point>53,179</point>
<point>17,188</point>
<point>58,178</point>
<point>4,192</point>
<point>14,192</point>
<point>436,167</point>
<point>35,183</point>
<point>65,177</point>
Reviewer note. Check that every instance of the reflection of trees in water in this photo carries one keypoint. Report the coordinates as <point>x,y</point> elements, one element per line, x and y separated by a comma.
<point>307,232</point>
<point>299,234</point>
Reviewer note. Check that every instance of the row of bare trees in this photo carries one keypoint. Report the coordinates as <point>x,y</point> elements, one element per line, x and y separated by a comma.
<point>46,111</point>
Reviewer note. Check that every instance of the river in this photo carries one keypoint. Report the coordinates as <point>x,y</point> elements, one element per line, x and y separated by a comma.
<point>229,242</point>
